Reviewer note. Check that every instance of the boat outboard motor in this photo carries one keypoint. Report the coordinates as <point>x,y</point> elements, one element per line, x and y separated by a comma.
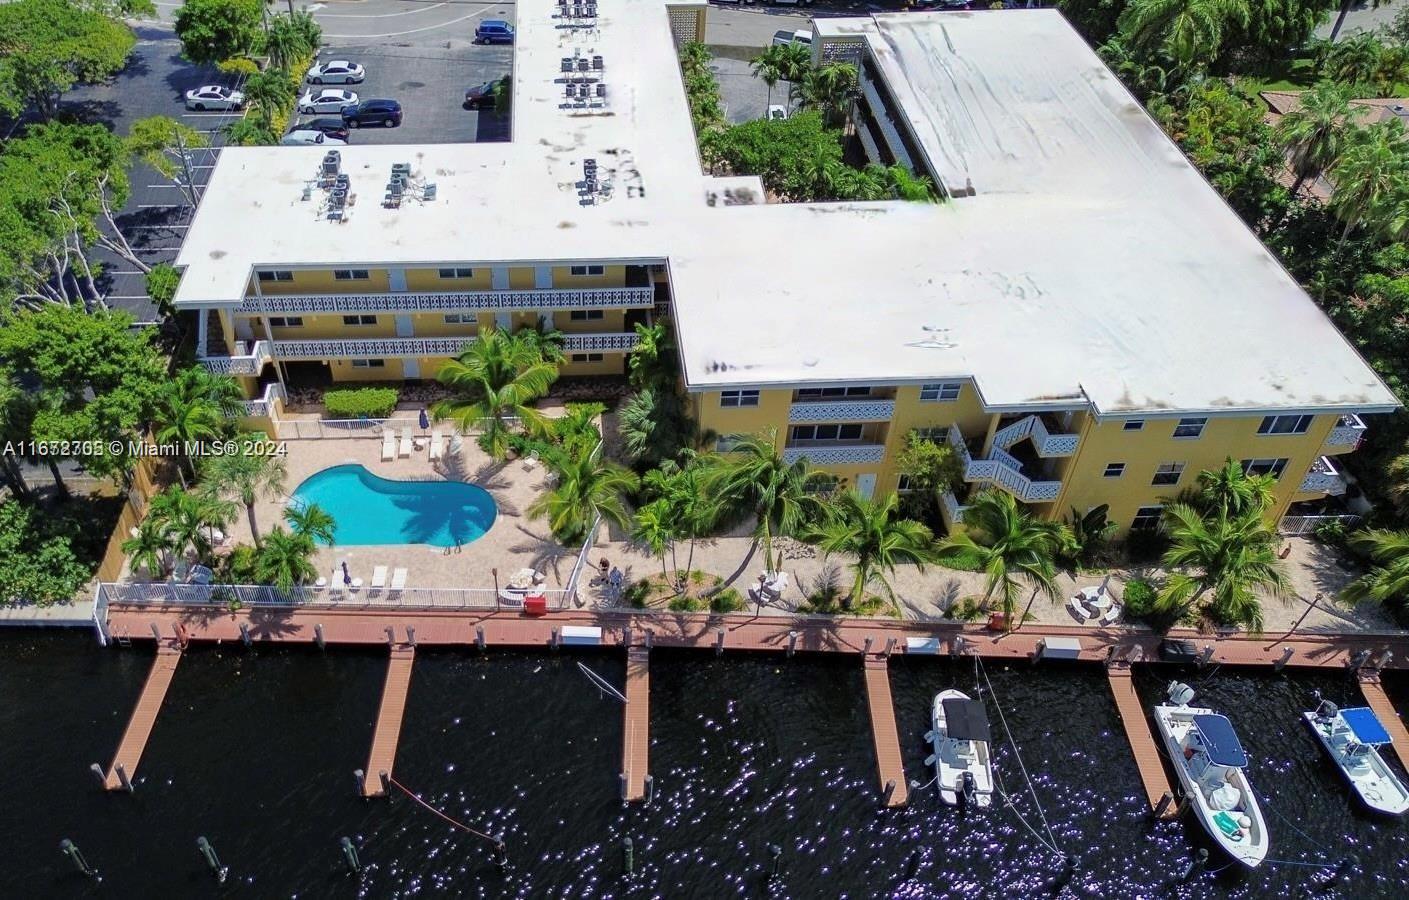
<point>1327,711</point>
<point>969,788</point>
<point>1180,693</point>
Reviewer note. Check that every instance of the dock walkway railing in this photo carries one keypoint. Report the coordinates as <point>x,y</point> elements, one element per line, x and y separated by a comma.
<point>255,595</point>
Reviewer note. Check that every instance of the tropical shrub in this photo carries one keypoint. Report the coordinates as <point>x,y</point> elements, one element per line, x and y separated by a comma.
<point>358,403</point>
<point>1139,597</point>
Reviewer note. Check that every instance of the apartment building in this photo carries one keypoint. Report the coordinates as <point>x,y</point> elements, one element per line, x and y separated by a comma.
<point>1082,316</point>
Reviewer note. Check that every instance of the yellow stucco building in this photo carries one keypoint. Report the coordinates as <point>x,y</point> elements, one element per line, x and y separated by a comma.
<point>1081,315</point>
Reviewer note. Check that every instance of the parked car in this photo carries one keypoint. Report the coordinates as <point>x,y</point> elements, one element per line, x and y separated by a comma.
<point>481,96</point>
<point>337,71</point>
<point>328,100</point>
<point>494,31</point>
<point>386,113</point>
<point>792,3</point>
<point>214,96</point>
<point>334,128</point>
<point>309,136</point>
<point>783,38</point>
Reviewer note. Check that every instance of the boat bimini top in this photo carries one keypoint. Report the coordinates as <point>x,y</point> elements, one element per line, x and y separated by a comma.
<point>1220,742</point>
<point>966,720</point>
<point>1365,728</point>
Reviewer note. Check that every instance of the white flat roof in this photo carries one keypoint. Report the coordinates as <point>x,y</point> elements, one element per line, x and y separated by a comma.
<point>1093,262</point>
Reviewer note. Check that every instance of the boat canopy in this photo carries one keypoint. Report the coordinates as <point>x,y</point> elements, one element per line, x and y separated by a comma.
<point>966,720</point>
<point>1220,741</point>
<point>1366,728</point>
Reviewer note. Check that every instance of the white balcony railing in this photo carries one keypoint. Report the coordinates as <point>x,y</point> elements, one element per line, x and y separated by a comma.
<point>1348,433</point>
<point>1047,444</point>
<point>247,360</point>
<point>265,404</point>
<point>836,454</point>
<point>1003,470</point>
<point>429,301</point>
<point>578,343</point>
<point>378,348</point>
<point>1323,478</point>
<point>953,512</point>
<point>842,411</point>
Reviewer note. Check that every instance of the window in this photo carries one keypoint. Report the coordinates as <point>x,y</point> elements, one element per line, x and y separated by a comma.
<point>1146,518</point>
<point>738,398</point>
<point>1273,467</point>
<point>461,319</point>
<point>1190,428</point>
<point>589,270</point>
<point>351,275</point>
<point>1114,470</point>
<point>1167,474</point>
<point>276,275</point>
<point>832,393</point>
<point>456,273</point>
<point>585,315</point>
<point>826,432</point>
<point>286,321</point>
<point>943,391</point>
<point>938,434</point>
<point>726,442</point>
<point>359,320</point>
<point>1133,425</point>
<point>1284,425</point>
<point>369,364</point>
<point>904,486</point>
<point>587,357</point>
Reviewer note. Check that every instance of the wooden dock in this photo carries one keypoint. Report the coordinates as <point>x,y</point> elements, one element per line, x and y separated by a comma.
<point>888,759</point>
<point>144,716</point>
<point>636,725</point>
<point>388,730</point>
<point>1378,700</point>
<point>1142,741</point>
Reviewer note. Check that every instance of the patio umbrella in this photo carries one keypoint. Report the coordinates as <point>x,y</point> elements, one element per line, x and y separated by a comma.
<point>346,575</point>
<point>425,420</point>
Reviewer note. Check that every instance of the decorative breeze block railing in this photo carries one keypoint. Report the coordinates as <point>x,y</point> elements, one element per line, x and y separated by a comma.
<point>853,454</point>
<point>424,301</point>
<point>1347,433</point>
<point>842,411</point>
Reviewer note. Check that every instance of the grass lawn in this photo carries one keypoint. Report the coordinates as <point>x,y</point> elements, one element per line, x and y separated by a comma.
<point>1291,75</point>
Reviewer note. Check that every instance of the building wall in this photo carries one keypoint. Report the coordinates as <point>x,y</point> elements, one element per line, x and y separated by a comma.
<point>430,280</point>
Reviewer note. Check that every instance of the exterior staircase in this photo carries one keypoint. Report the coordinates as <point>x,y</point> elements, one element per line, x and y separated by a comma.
<point>1046,444</point>
<point>1003,470</point>
<point>214,337</point>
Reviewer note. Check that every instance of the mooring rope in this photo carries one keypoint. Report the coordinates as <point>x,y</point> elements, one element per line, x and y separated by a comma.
<point>602,684</point>
<point>458,824</point>
<point>1051,841</point>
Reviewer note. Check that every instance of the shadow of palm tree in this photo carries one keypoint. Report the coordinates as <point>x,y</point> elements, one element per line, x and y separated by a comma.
<point>272,624</point>
<point>545,554</point>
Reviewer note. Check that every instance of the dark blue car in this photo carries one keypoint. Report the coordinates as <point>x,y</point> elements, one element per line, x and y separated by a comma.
<point>386,113</point>
<point>494,31</point>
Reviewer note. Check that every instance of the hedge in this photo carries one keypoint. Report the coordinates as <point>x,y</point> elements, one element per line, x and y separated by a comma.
<point>356,403</point>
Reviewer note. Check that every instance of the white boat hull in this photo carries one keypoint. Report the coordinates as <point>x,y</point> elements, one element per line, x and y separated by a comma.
<point>1369,775</point>
<point>1249,849</point>
<point>952,758</point>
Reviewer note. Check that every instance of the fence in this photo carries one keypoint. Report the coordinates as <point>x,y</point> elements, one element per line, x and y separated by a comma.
<point>581,564</point>
<point>226,596</point>
<point>314,429</point>
<point>1292,526</point>
<point>144,485</point>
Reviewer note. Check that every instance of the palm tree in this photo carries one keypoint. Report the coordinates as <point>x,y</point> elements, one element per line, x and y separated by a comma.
<point>1013,549</point>
<point>188,517</point>
<point>291,37</point>
<point>1314,133</point>
<point>1230,492</point>
<point>794,61</point>
<point>1387,582</point>
<point>1189,32</point>
<point>247,476</point>
<point>682,492</point>
<point>1353,62</point>
<point>869,183</point>
<point>768,66</point>
<point>880,540</point>
<point>652,362</point>
<point>587,486</point>
<point>1368,174</point>
<point>149,546</point>
<point>830,88</point>
<point>1396,485</point>
<point>547,341</point>
<point>655,425</point>
<point>653,529</point>
<point>283,559</point>
<point>754,480</point>
<point>497,376</point>
<point>1224,559</point>
<point>270,93</point>
<point>906,185</point>
<point>311,521</point>
<point>196,405</point>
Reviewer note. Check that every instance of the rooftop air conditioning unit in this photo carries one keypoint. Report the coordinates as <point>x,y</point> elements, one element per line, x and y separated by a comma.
<point>597,63</point>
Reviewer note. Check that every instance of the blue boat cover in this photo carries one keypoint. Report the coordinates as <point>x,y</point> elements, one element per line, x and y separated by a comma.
<point>1220,743</point>
<point>1366,728</point>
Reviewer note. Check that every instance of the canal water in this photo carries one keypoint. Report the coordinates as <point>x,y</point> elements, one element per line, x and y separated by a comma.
<point>255,751</point>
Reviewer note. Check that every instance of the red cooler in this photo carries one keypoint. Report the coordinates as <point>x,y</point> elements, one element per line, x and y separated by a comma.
<point>535,605</point>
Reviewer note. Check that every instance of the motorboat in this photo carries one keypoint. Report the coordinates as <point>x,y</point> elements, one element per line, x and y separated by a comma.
<point>1211,765</point>
<point>962,760</point>
<point>1351,737</point>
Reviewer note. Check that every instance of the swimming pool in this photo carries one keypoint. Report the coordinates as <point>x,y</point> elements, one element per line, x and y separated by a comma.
<point>369,509</point>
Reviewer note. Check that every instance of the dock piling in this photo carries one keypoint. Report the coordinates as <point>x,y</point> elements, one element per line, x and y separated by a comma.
<point>123,781</point>
<point>719,642</point>
<point>1206,655</point>
<point>479,637</point>
<point>156,632</point>
<point>97,769</point>
<point>1383,660</point>
<point>628,857</point>
<point>1161,809</point>
<point>792,643</point>
<point>349,853</point>
<point>1358,659</point>
<point>1281,663</point>
<point>390,635</point>
<point>777,853</point>
<point>245,634</point>
<point>866,646</point>
<point>72,852</point>
<point>956,647</point>
<point>318,636</point>
<point>890,646</point>
<point>385,778</point>
<point>411,635</point>
<point>361,778</point>
<point>1195,865</point>
<point>554,639</point>
<point>650,637</point>
<point>208,853</point>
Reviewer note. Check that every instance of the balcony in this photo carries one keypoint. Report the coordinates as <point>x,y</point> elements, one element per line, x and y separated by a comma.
<point>835,454</point>
<point>1324,478</point>
<point>636,297</point>
<point>381,348</point>
<point>858,410</point>
<point>1345,436</point>
<point>1003,470</point>
<point>1045,442</point>
<point>265,405</point>
<point>248,359</point>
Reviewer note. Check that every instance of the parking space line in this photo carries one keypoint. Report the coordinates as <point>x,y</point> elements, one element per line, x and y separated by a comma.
<point>387,34</point>
<point>382,15</point>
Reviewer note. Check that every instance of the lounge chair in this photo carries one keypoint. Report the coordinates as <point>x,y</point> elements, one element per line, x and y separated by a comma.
<point>378,578</point>
<point>437,442</point>
<point>398,580</point>
<point>388,445</point>
<point>1112,615</point>
<point>531,462</point>
<point>1078,609</point>
<point>406,443</point>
